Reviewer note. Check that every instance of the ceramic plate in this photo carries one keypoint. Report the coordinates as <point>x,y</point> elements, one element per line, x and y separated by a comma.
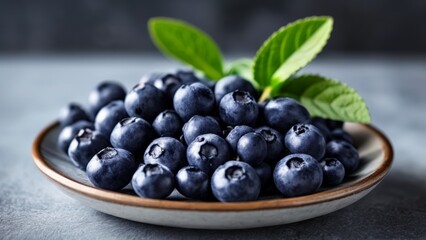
<point>376,158</point>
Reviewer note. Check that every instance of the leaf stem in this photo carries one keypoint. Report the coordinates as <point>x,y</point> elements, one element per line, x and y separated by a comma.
<point>266,94</point>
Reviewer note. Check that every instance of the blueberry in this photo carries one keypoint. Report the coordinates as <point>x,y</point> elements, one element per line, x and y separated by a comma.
<point>207,152</point>
<point>168,124</point>
<point>85,145</point>
<point>193,99</point>
<point>275,143</point>
<point>252,148</point>
<point>235,134</point>
<point>193,183</point>
<point>111,168</point>
<point>238,108</point>
<point>282,113</point>
<point>340,134</point>
<point>145,101</point>
<point>264,171</point>
<point>199,125</point>
<point>320,124</point>
<point>187,77</point>
<point>235,181</point>
<point>103,94</point>
<point>109,116</point>
<point>71,114</point>
<point>298,174</point>
<point>345,153</point>
<point>68,133</point>
<point>305,138</point>
<point>166,151</point>
<point>333,171</point>
<point>153,181</point>
<point>231,83</point>
<point>133,134</point>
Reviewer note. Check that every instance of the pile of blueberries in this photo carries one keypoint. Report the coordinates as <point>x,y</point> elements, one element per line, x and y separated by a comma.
<point>207,140</point>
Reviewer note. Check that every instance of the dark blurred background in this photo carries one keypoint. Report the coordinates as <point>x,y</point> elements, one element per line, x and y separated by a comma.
<point>361,26</point>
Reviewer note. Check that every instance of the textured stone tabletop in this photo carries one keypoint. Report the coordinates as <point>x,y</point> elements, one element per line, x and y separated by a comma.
<point>34,88</point>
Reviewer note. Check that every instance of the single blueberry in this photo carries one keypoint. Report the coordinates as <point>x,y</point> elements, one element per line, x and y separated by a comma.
<point>153,181</point>
<point>307,139</point>
<point>68,133</point>
<point>103,94</point>
<point>85,145</point>
<point>275,143</point>
<point>109,116</point>
<point>193,99</point>
<point>232,83</point>
<point>166,151</point>
<point>207,152</point>
<point>193,183</point>
<point>72,113</point>
<point>168,83</point>
<point>199,125</point>
<point>111,168</point>
<point>187,76</point>
<point>235,181</point>
<point>252,148</point>
<point>282,113</point>
<point>235,134</point>
<point>168,124</point>
<point>238,108</point>
<point>345,153</point>
<point>297,175</point>
<point>133,134</point>
<point>333,171</point>
<point>145,101</point>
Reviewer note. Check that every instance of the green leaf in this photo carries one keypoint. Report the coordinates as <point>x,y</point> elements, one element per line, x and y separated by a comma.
<point>289,49</point>
<point>242,67</point>
<point>188,44</point>
<point>327,98</point>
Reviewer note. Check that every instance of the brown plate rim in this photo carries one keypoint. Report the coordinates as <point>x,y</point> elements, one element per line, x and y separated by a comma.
<point>126,199</point>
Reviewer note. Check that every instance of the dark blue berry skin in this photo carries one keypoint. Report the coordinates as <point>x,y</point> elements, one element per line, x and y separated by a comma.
<point>235,134</point>
<point>193,99</point>
<point>307,139</point>
<point>145,101</point>
<point>71,114</point>
<point>297,175</point>
<point>207,152</point>
<point>166,151</point>
<point>168,83</point>
<point>235,181</point>
<point>238,108</point>
<point>252,149</point>
<point>282,113</point>
<point>109,116</point>
<point>103,94</point>
<point>264,171</point>
<point>68,133</point>
<point>320,124</point>
<point>132,134</point>
<point>199,125</point>
<point>85,145</point>
<point>345,153</point>
<point>111,168</point>
<point>341,135</point>
<point>232,83</point>
<point>153,181</point>
<point>275,143</point>
<point>193,183</point>
<point>168,124</point>
<point>333,170</point>
<point>187,77</point>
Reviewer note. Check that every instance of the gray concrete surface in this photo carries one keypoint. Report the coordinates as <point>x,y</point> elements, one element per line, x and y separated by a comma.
<point>34,88</point>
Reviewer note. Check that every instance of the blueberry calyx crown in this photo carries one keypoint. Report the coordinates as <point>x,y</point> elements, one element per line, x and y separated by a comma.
<point>299,129</point>
<point>235,173</point>
<point>84,134</point>
<point>241,97</point>
<point>107,153</point>
<point>156,151</point>
<point>268,135</point>
<point>208,151</point>
<point>295,162</point>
